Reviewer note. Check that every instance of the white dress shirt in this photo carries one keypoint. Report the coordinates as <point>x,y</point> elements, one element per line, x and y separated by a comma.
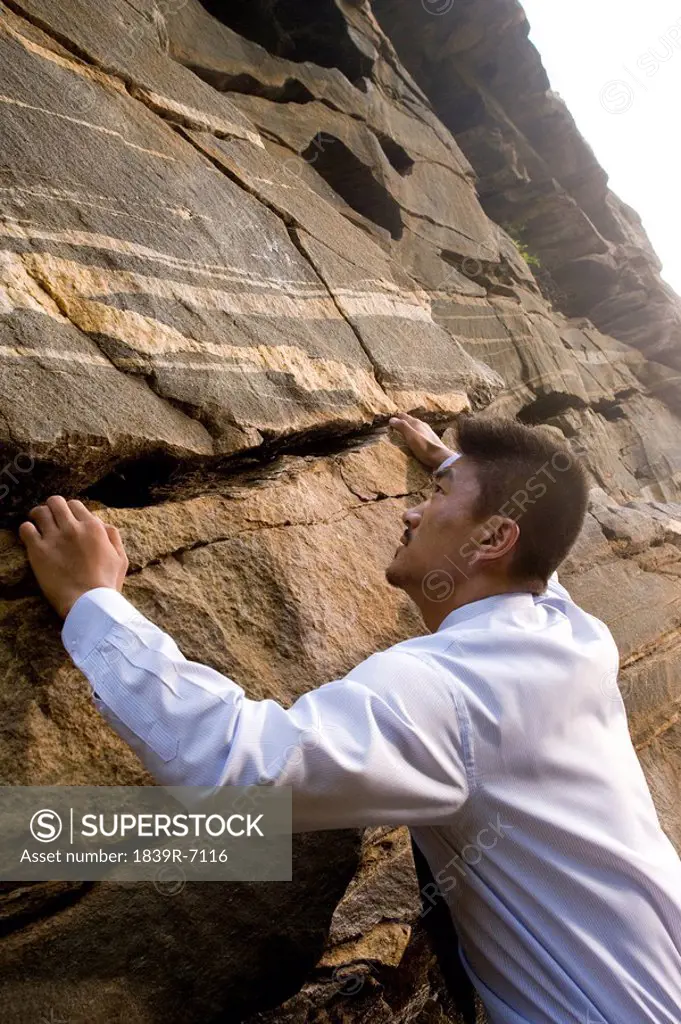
<point>501,739</point>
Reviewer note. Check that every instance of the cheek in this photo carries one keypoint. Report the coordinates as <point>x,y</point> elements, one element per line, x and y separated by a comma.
<point>448,514</point>
<point>452,529</point>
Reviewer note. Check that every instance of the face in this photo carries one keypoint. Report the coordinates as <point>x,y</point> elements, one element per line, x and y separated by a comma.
<point>440,546</point>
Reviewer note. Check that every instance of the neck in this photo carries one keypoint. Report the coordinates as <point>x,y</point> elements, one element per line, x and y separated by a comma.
<point>435,612</point>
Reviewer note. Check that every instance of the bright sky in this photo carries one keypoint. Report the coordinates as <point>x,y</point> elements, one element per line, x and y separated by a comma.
<point>617,65</point>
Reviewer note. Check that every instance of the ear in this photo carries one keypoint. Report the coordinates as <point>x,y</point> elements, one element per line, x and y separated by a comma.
<point>497,537</point>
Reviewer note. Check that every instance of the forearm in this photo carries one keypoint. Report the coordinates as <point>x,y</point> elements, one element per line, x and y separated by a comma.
<point>178,717</point>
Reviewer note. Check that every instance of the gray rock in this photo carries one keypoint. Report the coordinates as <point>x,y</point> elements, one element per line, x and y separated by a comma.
<point>225,262</point>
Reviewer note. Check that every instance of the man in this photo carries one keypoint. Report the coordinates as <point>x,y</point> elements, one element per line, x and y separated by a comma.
<point>499,737</point>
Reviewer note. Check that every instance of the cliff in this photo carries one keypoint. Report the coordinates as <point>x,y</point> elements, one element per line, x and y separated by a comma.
<point>230,251</point>
<point>487,84</point>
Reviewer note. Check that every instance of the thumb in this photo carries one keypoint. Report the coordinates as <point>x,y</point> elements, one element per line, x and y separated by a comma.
<point>28,534</point>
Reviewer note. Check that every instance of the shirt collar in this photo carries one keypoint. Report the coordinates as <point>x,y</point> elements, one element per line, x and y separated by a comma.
<point>485,606</point>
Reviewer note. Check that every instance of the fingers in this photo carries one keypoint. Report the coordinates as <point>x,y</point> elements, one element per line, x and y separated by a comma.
<point>57,513</point>
<point>58,506</point>
<point>114,536</point>
<point>79,511</point>
<point>400,427</point>
<point>43,519</point>
<point>405,424</point>
<point>113,533</point>
<point>29,535</point>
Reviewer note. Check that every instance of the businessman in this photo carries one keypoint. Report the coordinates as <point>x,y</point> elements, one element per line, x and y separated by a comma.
<point>499,737</point>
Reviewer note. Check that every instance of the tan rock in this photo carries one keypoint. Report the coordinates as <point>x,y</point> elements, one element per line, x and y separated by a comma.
<point>222,269</point>
<point>384,944</point>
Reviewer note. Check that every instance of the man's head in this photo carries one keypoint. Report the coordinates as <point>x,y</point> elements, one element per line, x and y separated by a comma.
<point>502,517</point>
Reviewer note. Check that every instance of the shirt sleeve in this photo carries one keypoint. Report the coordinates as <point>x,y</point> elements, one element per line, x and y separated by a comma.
<point>380,746</point>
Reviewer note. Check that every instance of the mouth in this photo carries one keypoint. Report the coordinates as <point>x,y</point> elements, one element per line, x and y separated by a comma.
<point>404,541</point>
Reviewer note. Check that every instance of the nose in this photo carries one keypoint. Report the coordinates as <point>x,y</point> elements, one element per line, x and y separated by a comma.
<point>412,517</point>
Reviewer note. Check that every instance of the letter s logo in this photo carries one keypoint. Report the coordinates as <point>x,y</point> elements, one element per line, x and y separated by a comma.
<point>46,826</point>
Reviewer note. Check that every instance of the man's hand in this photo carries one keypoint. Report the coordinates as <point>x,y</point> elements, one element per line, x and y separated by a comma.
<point>422,441</point>
<point>71,551</point>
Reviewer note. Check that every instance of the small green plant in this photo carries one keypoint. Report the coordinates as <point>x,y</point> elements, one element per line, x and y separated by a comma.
<point>530,258</point>
<point>515,233</point>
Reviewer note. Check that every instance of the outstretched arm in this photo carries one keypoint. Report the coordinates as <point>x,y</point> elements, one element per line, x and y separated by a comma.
<point>422,441</point>
<point>381,746</point>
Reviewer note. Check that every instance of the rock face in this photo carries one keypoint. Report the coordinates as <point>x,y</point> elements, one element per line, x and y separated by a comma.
<point>536,173</point>
<point>230,251</point>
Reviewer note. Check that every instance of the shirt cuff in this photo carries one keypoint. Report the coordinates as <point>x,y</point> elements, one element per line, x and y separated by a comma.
<point>448,461</point>
<point>92,617</point>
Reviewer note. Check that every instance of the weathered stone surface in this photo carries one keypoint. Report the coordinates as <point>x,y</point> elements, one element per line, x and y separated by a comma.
<point>392,106</point>
<point>414,991</point>
<point>129,40</point>
<point>537,173</point>
<point>174,291</point>
<point>425,191</point>
<point>132,952</point>
<point>228,252</point>
<point>234,64</point>
<point>142,257</point>
<point>389,312</point>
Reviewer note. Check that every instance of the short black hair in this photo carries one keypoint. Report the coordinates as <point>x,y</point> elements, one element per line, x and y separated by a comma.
<point>514,461</point>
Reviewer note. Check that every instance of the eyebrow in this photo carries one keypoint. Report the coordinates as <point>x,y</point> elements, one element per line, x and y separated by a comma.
<point>438,474</point>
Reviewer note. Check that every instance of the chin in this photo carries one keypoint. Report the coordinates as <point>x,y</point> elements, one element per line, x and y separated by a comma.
<point>395,573</point>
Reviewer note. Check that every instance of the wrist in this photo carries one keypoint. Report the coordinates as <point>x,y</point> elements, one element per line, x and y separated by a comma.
<point>440,453</point>
<point>65,601</point>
